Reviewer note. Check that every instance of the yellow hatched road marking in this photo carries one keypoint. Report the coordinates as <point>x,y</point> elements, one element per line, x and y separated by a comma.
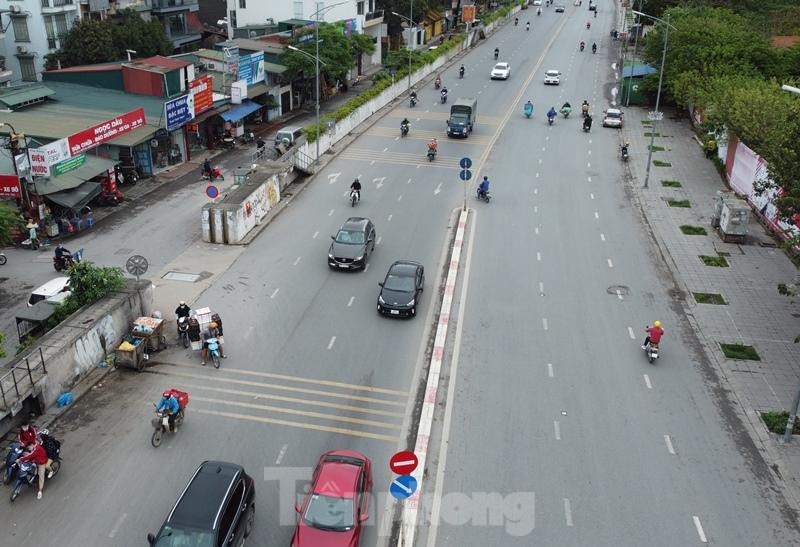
<point>324,404</point>
<point>299,379</point>
<point>254,406</point>
<point>329,429</point>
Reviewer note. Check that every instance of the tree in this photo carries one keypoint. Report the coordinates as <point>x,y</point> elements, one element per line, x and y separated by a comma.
<point>147,38</point>
<point>10,224</point>
<point>395,24</point>
<point>336,53</point>
<point>88,42</point>
<point>2,344</point>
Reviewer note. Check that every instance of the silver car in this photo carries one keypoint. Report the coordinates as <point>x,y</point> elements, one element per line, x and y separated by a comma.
<point>613,117</point>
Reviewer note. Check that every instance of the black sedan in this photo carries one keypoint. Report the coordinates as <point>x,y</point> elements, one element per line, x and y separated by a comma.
<point>401,289</point>
<point>352,244</point>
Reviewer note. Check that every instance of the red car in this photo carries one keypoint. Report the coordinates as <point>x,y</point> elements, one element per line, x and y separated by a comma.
<point>336,506</point>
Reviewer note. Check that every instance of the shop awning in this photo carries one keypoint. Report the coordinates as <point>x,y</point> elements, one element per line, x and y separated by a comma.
<point>76,198</point>
<point>72,179</point>
<point>240,111</point>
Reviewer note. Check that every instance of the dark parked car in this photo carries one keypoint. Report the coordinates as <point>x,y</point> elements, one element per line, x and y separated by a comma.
<point>352,244</point>
<point>336,506</point>
<point>217,507</point>
<point>401,289</point>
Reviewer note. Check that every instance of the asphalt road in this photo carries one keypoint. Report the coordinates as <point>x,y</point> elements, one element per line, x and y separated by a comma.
<point>558,417</point>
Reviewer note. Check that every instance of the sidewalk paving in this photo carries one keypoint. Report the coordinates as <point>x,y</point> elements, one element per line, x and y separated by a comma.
<point>755,313</point>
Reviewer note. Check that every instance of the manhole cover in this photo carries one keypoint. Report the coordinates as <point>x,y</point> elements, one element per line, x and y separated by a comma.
<point>619,290</point>
<point>181,276</point>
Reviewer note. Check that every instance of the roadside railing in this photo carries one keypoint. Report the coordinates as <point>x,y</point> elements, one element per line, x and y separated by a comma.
<point>21,378</point>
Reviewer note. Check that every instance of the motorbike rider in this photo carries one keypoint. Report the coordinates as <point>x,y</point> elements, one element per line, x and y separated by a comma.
<point>356,185</point>
<point>413,97</point>
<point>182,310</point>
<point>438,81</point>
<point>483,187</point>
<point>405,124</point>
<point>594,47</point>
<point>585,108</point>
<point>588,24</point>
<point>207,168</point>
<point>654,334</point>
<point>433,146</point>
<point>169,403</point>
<point>587,121</point>
<point>528,25</point>
<point>63,254</point>
<point>583,45</point>
<point>461,72</point>
<point>27,434</point>
<point>516,21</point>
<point>566,108</point>
<point>624,147</point>
<point>552,113</point>
<point>496,52</point>
<point>444,92</point>
<point>528,106</point>
<point>213,332</point>
<point>38,455</point>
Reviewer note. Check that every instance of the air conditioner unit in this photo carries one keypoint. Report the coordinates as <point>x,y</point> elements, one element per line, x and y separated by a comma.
<point>15,8</point>
<point>22,49</point>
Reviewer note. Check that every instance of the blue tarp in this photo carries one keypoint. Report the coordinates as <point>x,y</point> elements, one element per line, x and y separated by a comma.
<point>240,111</point>
<point>641,70</point>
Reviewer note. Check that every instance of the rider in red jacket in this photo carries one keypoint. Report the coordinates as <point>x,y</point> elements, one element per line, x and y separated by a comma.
<point>654,334</point>
<point>38,455</point>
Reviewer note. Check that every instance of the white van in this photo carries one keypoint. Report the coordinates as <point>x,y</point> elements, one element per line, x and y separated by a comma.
<point>51,290</point>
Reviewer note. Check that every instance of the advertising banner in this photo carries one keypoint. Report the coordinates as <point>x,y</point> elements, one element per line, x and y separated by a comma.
<point>89,138</point>
<point>9,186</point>
<point>238,91</point>
<point>202,90</point>
<point>467,14</point>
<point>232,59</point>
<point>43,157</point>
<point>179,111</point>
<point>68,165</point>
<point>251,68</point>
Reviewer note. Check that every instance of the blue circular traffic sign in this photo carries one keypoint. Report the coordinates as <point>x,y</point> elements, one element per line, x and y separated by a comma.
<point>403,487</point>
<point>212,191</point>
<point>465,174</point>
<point>465,163</point>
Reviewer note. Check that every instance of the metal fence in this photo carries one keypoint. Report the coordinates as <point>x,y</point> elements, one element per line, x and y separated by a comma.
<point>20,380</point>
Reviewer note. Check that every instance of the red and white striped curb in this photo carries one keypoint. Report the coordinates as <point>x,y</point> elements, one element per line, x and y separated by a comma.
<point>411,506</point>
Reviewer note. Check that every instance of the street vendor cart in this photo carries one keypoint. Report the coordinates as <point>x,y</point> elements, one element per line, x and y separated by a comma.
<point>147,336</point>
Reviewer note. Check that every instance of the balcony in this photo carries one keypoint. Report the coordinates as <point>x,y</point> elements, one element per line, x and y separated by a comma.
<point>59,6</point>
<point>373,18</point>
<point>168,6</point>
<point>5,74</point>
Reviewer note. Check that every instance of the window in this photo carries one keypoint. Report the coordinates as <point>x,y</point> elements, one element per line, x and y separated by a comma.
<point>51,32</point>
<point>232,18</point>
<point>242,4</point>
<point>21,29</point>
<point>28,69</point>
<point>360,8</point>
<point>62,25</point>
<point>56,27</point>
<point>229,515</point>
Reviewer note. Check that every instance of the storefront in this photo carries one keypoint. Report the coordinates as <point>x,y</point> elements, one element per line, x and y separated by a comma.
<point>235,117</point>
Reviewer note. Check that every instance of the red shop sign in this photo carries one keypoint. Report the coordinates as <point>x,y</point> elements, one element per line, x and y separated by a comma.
<point>9,186</point>
<point>203,93</point>
<point>100,133</point>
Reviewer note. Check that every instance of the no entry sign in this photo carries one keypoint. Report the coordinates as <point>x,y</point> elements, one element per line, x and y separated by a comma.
<point>403,463</point>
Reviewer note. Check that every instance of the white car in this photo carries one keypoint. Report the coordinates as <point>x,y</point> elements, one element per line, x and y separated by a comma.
<point>552,77</point>
<point>501,71</point>
<point>537,2</point>
<point>612,118</point>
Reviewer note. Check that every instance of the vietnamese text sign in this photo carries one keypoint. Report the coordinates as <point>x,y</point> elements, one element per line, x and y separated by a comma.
<point>179,111</point>
<point>9,186</point>
<point>45,156</point>
<point>111,129</point>
<point>68,165</point>
<point>251,68</point>
<point>203,92</point>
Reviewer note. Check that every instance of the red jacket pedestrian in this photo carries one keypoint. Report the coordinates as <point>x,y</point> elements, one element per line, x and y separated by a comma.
<point>37,455</point>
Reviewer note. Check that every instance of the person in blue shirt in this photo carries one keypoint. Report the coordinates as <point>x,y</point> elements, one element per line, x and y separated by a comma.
<point>483,189</point>
<point>170,404</point>
<point>552,112</point>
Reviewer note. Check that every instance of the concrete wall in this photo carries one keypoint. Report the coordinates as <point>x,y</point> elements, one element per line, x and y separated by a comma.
<point>248,214</point>
<point>82,342</point>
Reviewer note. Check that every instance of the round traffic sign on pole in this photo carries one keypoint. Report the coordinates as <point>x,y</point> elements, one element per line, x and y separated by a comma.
<point>465,163</point>
<point>465,174</point>
<point>403,463</point>
<point>212,191</point>
<point>136,265</point>
<point>403,487</point>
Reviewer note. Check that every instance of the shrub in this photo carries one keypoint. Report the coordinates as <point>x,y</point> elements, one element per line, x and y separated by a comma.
<point>671,183</point>
<point>776,422</point>
<point>718,261</point>
<point>693,230</point>
<point>679,203</point>
<point>709,298</point>
<point>740,351</point>
<point>659,163</point>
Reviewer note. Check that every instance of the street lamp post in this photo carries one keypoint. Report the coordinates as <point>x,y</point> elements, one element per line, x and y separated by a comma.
<point>317,62</point>
<point>787,435</point>
<point>410,46</point>
<point>656,115</point>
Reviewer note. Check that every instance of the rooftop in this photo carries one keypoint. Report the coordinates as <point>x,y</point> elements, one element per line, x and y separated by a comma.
<point>784,42</point>
<point>157,64</point>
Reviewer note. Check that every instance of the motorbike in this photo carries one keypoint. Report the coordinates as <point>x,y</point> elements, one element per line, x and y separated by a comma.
<point>412,102</point>
<point>588,25</point>
<point>161,425</point>
<point>582,46</point>
<point>528,110</point>
<point>539,11</point>
<point>216,173</point>
<point>587,124</point>
<point>29,243</point>
<point>444,97</point>
<point>585,110</point>
<point>527,26</point>
<point>624,153</point>
<point>247,138</point>
<point>404,130</point>
<point>431,154</point>
<point>551,119</point>
<point>651,350</point>
<point>26,471</point>
<point>355,197</point>
<point>484,196</point>
<point>3,259</point>
<point>594,49</point>
<point>565,112</point>
<point>213,343</point>
<point>496,54</point>
<point>183,331</point>
<point>516,22</point>
<point>461,73</point>
<point>14,452</point>
<point>66,262</point>
<point>437,83</point>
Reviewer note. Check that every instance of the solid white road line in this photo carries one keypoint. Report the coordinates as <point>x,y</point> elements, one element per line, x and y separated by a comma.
<point>647,382</point>
<point>409,181</point>
<point>669,444</point>
<point>630,333</point>
<point>568,512</point>
<point>297,261</point>
<point>557,429</point>
<point>541,288</point>
<point>535,190</point>
<point>274,293</point>
<point>610,264</point>
<point>699,527</point>
<point>281,454</point>
<point>544,323</point>
<point>333,340</point>
<point>350,302</point>
<point>315,235</point>
<point>588,179</point>
<point>117,525</point>
<point>538,256</point>
<point>550,369</point>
